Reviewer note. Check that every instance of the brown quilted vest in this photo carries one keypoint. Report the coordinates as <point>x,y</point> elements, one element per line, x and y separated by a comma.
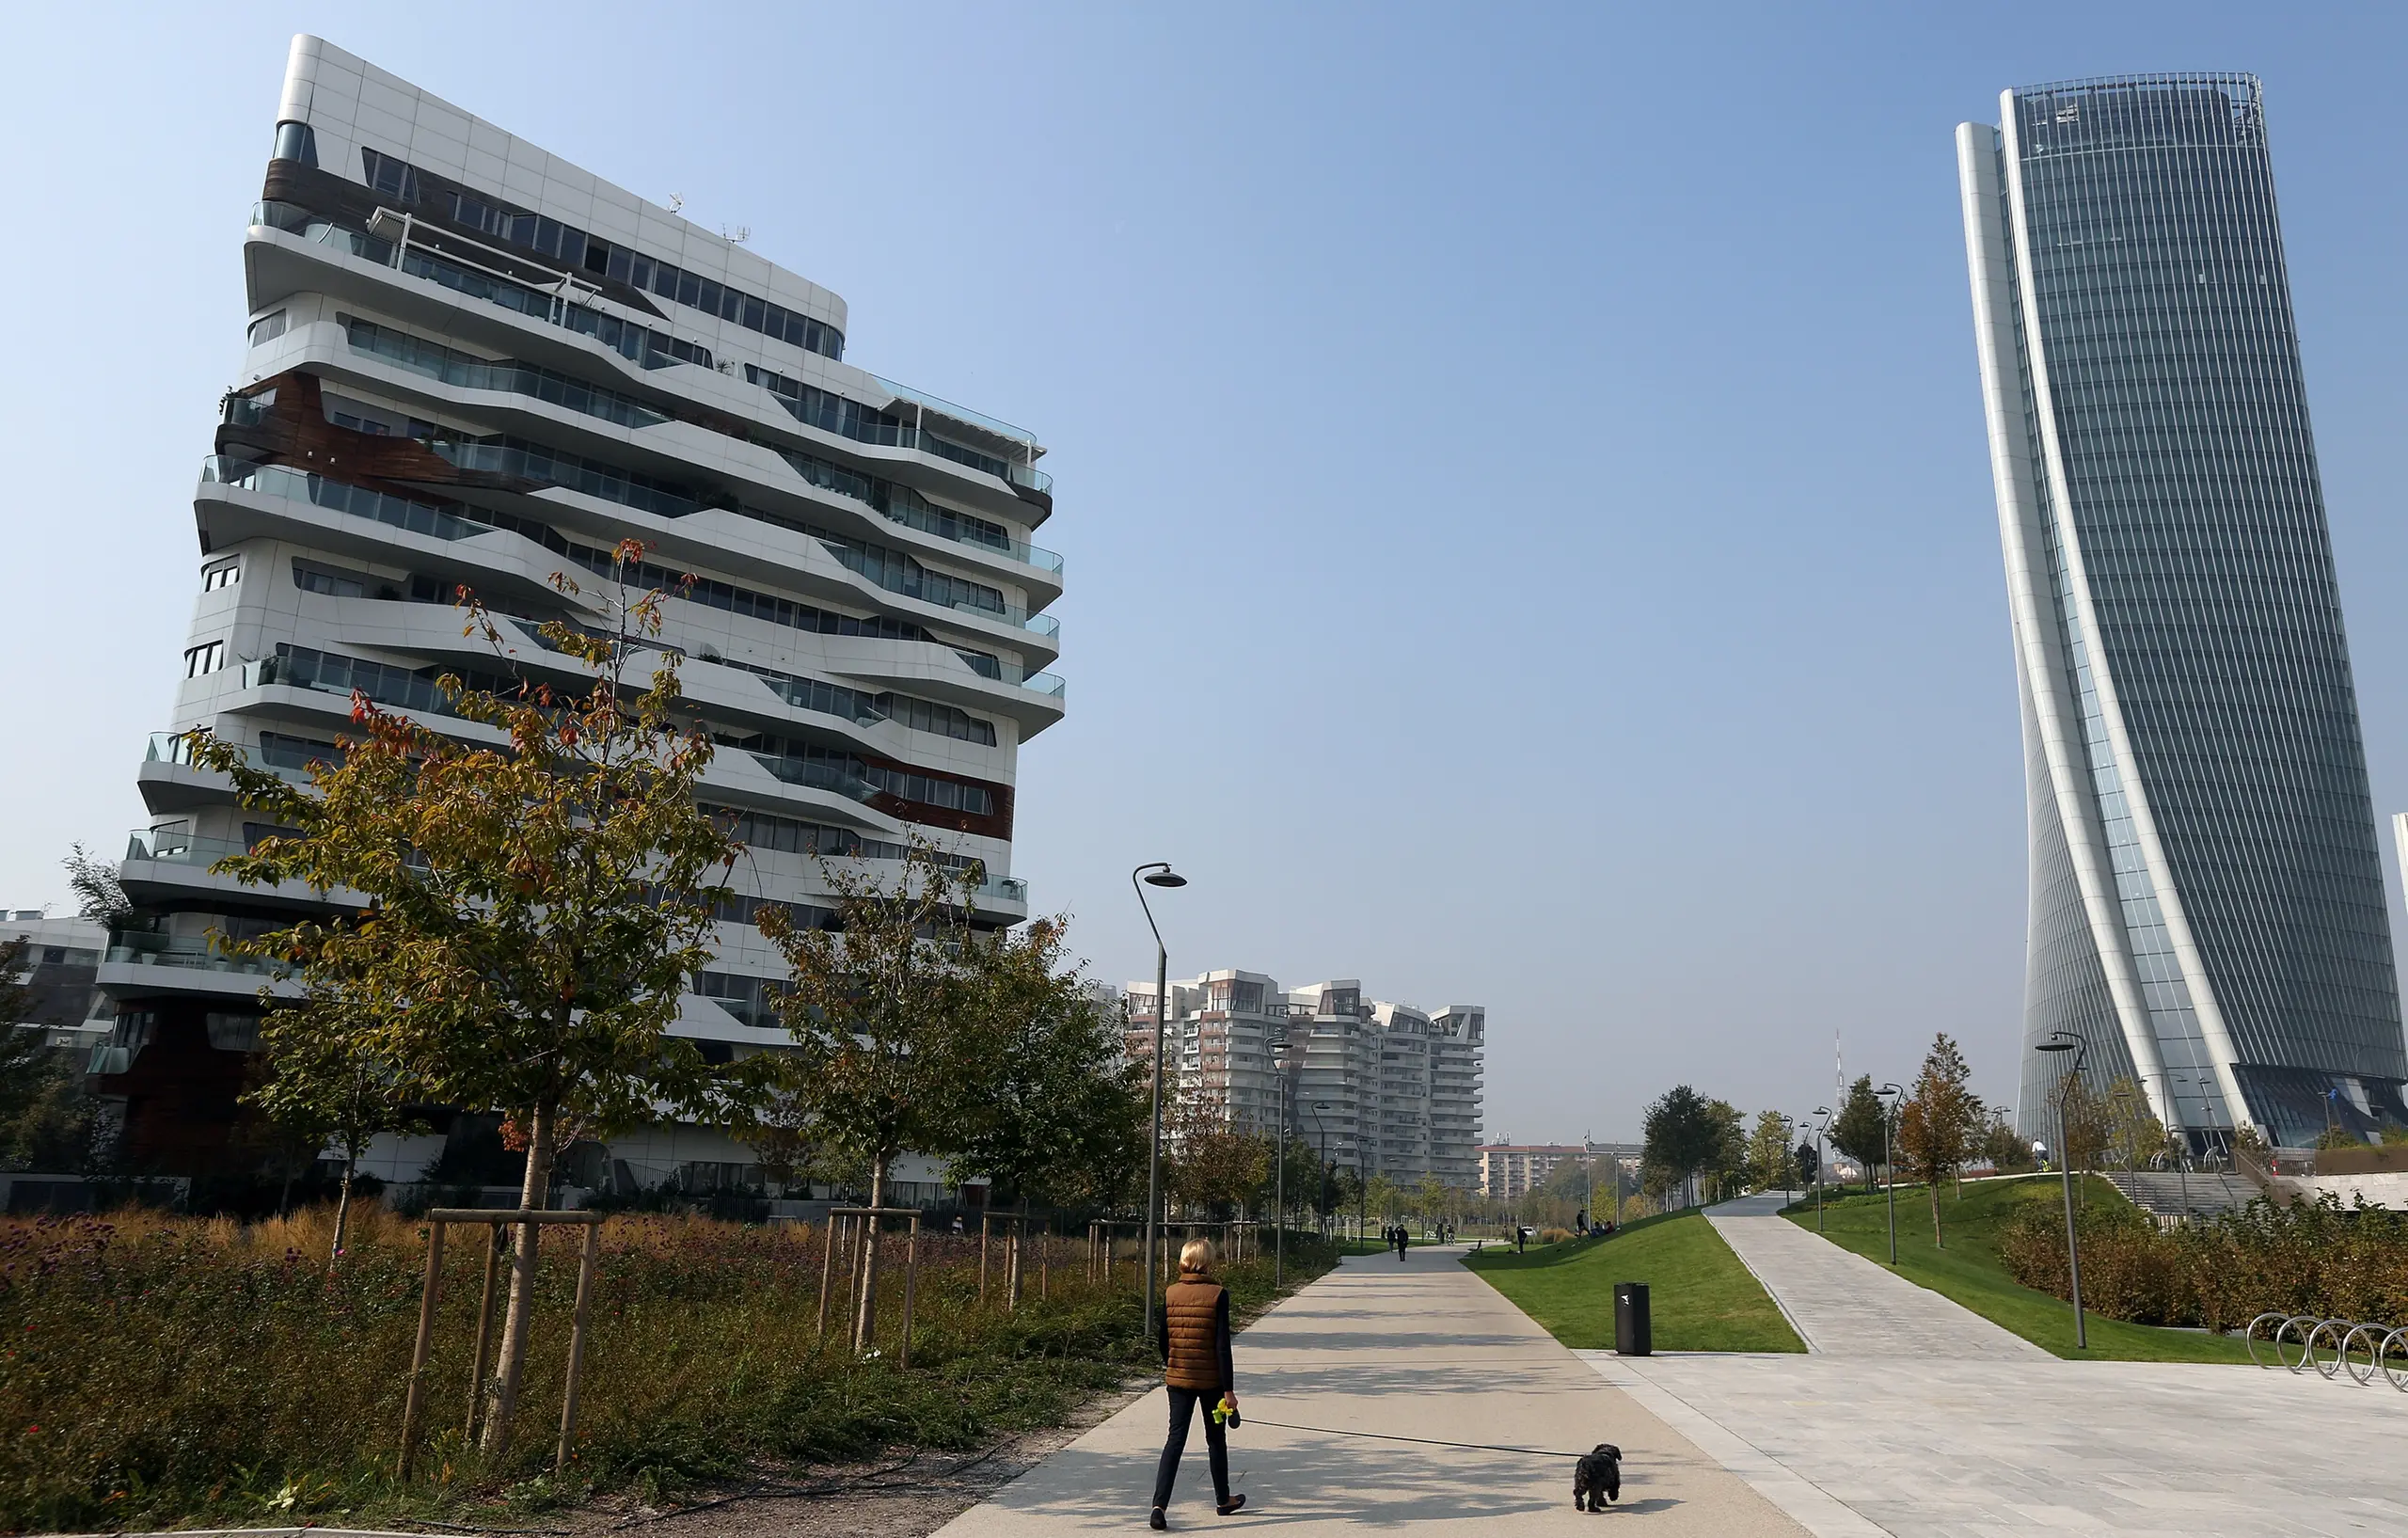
<point>1189,1307</point>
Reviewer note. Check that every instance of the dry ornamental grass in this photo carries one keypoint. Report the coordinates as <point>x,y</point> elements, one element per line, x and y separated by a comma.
<point>161,1370</point>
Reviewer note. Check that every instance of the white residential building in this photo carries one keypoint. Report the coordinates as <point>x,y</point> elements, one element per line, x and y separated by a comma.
<point>1385,1087</point>
<point>1516,1169</point>
<point>470,364</point>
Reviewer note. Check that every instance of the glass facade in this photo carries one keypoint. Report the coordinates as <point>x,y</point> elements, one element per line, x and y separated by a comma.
<point>2177,551</point>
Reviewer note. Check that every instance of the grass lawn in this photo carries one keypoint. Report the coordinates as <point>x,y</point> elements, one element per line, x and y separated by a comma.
<point>1700,1296</point>
<point>1970,1272</point>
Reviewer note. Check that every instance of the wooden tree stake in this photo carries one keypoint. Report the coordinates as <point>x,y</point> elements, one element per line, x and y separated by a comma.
<point>425,1340</point>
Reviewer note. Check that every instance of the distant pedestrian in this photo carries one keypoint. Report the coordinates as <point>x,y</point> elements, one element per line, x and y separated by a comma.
<point>1200,1373</point>
<point>1404,1237</point>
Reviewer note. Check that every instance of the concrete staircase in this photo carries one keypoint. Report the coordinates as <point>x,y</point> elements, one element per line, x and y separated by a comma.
<point>2168,1194</point>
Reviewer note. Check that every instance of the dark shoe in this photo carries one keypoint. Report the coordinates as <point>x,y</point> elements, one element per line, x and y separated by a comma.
<point>1229,1507</point>
<point>1156,1521</point>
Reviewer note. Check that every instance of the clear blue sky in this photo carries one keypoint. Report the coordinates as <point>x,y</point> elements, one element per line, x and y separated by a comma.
<point>1521,469</point>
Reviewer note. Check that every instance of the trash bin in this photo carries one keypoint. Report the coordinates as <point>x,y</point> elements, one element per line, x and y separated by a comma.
<point>1634,1335</point>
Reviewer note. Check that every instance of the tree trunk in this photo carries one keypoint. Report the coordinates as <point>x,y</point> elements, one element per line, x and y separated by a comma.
<point>1020,1234</point>
<point>521,1313</point>
<point>1937,1241</point>
<point>342,1206</point>
<point>865,1322</point>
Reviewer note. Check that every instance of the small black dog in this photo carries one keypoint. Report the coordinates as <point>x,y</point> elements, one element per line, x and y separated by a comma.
<point>1597,1478</point>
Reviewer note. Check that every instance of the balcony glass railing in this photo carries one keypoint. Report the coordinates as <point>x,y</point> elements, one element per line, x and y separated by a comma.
<point>452,368</point>
<point>282,481</point>
<point>167,846</point>
<point>553,466</point>
<point>168,748</point>
<point>345,676</point>
<point>1013,673</point>
<point>288,757</point>
<point>1017,474</point>
<point>934,521</point>
<point>639,345</point>
<point>816,776</point>
<point>913,581</point>
<point>196,952</point>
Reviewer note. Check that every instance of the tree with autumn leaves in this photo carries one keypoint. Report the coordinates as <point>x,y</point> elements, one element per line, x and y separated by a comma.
<point>518,902</point>
<point>1940,1123</point>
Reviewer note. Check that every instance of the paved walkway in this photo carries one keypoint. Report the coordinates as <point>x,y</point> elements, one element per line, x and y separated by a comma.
<point>1911,1418</point>
<point>1420,1349</point>
<point>1844,1304</point>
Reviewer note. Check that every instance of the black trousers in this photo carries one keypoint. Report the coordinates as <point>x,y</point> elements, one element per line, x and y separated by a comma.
<point>1184,1402</point>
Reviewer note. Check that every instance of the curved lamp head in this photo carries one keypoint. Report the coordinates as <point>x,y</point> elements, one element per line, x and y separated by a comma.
<point>1889,1090</point>
<point>2053,1046</point>
<point>1822,1110</point>
<point>1166,876</point>
<point>1321,1105</point>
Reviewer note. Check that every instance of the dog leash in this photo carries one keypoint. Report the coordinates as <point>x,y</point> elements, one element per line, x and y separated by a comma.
<point>1421,1441</point>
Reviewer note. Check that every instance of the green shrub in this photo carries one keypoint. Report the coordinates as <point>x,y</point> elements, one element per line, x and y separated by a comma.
<point>2308,1258</point>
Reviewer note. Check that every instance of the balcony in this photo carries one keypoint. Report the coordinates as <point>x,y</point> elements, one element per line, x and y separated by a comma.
<point>196,953</point>
<point>816,776</point>
<point>935,523</point>
<point>165,846</point>
<point>1010,471</point>
<point>299,485</point>
<point>1001,672</point>
<point>916,582</point>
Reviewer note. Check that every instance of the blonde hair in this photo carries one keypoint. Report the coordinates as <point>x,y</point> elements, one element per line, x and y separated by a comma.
<point>1196,1255</point>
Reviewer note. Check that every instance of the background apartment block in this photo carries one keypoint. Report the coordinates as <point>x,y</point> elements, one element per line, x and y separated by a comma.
<point>1387,1089</point>
<point>472,364</point>
<point>1516,1169</point>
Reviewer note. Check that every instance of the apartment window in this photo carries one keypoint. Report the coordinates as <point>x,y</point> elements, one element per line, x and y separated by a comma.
<point>225,573</point>
<point>207,658</point>
<point>269,327</point>
<point>297,141</point>
<point>333,584</point>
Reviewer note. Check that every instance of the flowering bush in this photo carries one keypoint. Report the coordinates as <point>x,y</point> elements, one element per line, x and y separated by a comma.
<point>162,1370</point>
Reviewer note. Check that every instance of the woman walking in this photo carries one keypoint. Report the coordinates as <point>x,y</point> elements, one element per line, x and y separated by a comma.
<point>1197,1368</point>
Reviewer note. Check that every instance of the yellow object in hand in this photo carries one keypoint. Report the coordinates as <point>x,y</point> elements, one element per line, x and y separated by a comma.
<point>1222,1411</point>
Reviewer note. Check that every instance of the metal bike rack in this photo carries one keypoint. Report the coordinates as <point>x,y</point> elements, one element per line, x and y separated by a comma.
<point>2361,1348</point>
<point>2327,1335</point>
<point>2383,1357</point>
<point>2375,1335</point>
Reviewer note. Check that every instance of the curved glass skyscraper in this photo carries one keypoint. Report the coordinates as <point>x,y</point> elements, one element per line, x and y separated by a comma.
<point>2207,905</point>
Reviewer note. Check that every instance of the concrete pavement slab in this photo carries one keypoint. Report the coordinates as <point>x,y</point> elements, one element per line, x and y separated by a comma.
<point>1420,1349</point>
<point>1954,1449</point>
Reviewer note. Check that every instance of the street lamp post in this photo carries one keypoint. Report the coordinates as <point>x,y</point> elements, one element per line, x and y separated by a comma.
<point>1280,1051</point>
<point>1889,1165</point>
<point>1320,1216</point>
<point>1824,1112</point>
<point>1362,1191</point>
<point>2067,1041</point>
<point>1157,873</point>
